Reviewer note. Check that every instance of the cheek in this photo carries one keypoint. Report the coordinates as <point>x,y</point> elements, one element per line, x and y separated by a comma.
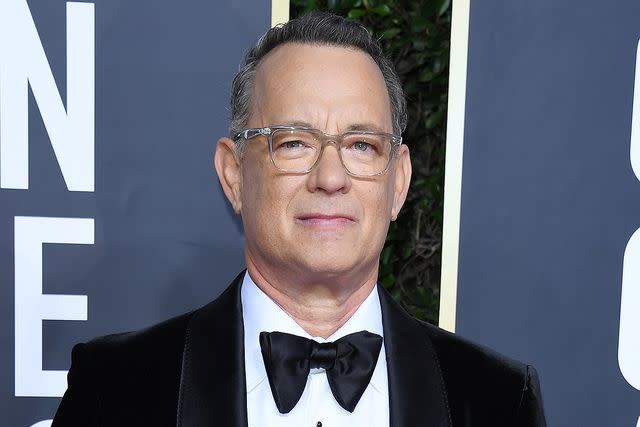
<point>381,201</point>
<point>377,203</point>
<point>388,198</point>
<point>265,200</point>
<point>250,190</point>
<point>253,198</point>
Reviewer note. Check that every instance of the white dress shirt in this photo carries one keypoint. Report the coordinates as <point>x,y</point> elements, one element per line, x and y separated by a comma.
<point>317,404</point>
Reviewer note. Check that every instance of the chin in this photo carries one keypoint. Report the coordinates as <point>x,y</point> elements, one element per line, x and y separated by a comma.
<point>330,266</point>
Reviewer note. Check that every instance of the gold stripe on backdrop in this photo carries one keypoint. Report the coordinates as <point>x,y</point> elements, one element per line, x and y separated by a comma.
<point>279,12</point>
<point>453,164</point>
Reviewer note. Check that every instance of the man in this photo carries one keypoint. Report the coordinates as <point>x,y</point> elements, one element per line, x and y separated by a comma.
<point>316,168</point>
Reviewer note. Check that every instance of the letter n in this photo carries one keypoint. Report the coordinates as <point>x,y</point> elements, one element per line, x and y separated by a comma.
<point>23,63</point>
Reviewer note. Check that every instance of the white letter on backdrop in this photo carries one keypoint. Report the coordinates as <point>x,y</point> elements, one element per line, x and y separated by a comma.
<point>32,306</point>
<point>629,339</point>
<point>23,62</point>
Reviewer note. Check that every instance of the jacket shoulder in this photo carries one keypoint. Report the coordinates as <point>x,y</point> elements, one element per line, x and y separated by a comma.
<point>150,358</point>
<point>162,338</point>
<point>124,379</point>
<point>463,355</point>
<point>483,382</point>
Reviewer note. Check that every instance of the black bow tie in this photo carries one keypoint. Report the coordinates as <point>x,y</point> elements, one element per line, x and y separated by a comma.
<point>349,363</point>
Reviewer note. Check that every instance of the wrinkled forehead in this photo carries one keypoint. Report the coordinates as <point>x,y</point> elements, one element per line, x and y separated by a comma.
<point>319,82</point>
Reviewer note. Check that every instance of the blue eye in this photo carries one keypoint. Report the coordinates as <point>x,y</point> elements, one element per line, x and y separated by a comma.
<point>361,146</point>
<point>293,144</point>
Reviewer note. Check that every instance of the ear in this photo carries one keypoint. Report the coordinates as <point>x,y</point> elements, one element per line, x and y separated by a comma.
<point>402,179</point>
<point>227,166</point>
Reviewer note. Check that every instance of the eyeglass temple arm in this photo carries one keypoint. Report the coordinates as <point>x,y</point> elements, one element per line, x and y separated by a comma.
<point>250,133</point>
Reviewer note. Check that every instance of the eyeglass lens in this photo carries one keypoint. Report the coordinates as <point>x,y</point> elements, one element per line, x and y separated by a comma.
<point>361,153</point>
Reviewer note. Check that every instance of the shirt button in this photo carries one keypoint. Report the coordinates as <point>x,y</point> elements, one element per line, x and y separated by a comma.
<point>319,424</point>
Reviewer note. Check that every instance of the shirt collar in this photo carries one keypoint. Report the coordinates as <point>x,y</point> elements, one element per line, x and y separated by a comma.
<point>260,313</point>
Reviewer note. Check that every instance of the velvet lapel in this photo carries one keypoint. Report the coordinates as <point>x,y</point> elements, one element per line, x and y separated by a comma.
<point>417,396</point>
<point>213,385</point>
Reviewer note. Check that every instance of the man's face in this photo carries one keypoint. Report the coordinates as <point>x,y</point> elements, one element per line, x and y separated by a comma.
<point>324,222</point>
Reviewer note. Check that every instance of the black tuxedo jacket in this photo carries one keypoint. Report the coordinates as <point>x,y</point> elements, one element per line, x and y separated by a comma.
<point>189,372</point>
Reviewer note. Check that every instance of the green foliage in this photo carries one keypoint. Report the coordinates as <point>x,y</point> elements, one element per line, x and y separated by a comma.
<point>415,35</point>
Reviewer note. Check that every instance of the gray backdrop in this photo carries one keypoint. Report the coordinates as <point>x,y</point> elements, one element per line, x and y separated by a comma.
<point>549,199</point>
<point>165,241</point>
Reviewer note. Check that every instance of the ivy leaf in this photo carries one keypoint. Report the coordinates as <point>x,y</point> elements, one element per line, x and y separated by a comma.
<point>382,10</point>
<point>443,7</point>
<point>434,119</point>
<point>406,252</point>
<point>391,33</point>
<point>419,24</point>
<point>419,44</point>
<point>438,65</point>
<point>388,281</point>
<point>386,254</point>
<point>425,75</point>
<point>356,13</point>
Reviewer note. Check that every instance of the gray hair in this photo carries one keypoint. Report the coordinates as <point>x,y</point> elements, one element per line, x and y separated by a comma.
<point>319,28</point>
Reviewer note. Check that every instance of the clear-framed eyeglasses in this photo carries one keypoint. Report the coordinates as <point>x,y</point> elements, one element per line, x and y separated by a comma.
<point>298,149</point>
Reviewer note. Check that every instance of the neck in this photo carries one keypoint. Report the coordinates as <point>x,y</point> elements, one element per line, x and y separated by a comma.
<point>319,307</point>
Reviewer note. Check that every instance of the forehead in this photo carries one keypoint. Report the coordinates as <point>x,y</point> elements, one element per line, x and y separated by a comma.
<point>328,86</point>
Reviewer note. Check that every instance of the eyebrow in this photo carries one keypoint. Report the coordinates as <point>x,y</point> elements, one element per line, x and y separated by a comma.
<point>366,127</point>
<point>297,123</point>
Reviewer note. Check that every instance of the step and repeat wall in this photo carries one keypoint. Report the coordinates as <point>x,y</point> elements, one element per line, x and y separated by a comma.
<point>111,216</point>
<point>549,248</point>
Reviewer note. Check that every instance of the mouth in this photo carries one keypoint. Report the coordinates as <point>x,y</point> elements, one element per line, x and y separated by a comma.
<point>323,220</point>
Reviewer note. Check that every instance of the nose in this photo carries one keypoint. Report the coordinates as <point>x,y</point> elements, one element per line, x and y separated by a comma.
<point>329,175</point>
